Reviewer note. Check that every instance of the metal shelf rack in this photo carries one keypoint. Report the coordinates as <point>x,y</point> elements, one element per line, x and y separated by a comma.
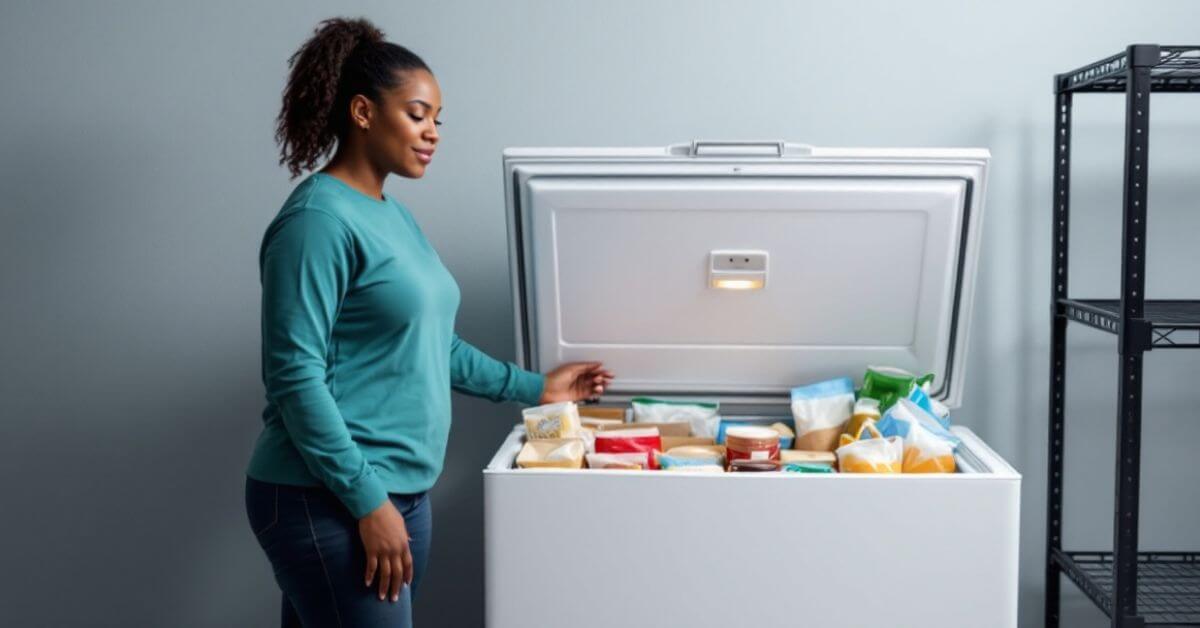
<point>1133,588</point>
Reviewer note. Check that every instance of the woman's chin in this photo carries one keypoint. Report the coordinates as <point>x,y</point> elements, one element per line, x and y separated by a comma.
<point>413,171</point>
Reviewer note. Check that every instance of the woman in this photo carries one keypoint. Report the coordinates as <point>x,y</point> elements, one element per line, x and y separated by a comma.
<point>359,350</point>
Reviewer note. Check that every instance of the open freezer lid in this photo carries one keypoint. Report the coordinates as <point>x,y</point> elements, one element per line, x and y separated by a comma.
<point>737,270</point>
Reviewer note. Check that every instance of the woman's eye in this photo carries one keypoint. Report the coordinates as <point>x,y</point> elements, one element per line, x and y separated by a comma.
<point>415,118</point>
<point>438,122</point>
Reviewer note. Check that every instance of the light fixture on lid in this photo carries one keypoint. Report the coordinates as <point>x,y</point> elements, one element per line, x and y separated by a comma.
<point>737,270</point>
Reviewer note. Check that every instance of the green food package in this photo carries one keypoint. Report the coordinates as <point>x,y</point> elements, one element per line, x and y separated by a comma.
<point>807,467</point>
<point>888,384</point>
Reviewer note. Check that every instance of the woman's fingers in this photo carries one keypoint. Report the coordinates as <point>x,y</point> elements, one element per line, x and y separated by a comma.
<point>398,575</point>
<point>408,564</point>
<point>385,577</point>
<point>372,565</point>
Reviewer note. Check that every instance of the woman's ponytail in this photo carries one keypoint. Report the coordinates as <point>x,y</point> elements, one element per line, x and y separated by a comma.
<point>326,72</point>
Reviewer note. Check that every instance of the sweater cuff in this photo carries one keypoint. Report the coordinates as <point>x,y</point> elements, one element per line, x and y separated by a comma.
<point>364,495</point>
<point>528,387</point>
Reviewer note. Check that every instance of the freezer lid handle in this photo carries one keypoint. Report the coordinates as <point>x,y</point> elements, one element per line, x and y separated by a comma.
<point>740,148</point>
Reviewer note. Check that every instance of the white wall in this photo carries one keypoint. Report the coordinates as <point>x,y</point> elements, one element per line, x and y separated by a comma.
<point>138,173</point>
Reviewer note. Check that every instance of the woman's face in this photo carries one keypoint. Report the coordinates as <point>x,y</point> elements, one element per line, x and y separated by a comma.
<point>403,134</point>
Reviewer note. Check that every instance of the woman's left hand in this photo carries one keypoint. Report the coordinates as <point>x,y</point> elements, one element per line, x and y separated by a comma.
<point>576,381</point>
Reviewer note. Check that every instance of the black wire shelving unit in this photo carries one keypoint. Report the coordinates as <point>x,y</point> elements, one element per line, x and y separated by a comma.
<point>1133,588</point>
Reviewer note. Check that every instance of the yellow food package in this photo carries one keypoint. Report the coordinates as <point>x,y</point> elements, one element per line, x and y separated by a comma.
<point>872,455</point>
<point>925,452</point>
<point>865,409</point>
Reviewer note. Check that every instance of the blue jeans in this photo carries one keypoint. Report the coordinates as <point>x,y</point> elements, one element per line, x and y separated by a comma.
<point>318,558</point>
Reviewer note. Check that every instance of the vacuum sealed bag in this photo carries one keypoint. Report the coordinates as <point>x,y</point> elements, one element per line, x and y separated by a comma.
<point>821,411</point>
<point>926,453</point>
<point>701,416</point>
<point>872,455</point>
<point>556,420</point>
<point>898,419</point>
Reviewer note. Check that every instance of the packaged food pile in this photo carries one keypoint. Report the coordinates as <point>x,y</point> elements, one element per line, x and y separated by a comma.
<point>889,425</point>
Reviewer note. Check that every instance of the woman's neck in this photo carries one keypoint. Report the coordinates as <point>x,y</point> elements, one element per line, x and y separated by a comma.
<point>356,172</point>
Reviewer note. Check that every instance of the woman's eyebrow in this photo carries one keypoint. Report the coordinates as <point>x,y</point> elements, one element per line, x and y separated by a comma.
<point>422,102</point>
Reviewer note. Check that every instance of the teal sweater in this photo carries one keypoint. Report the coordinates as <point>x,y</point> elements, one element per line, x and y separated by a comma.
<point>359,352</point>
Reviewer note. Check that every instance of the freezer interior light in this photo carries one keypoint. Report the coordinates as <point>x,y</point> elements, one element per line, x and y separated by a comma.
<point>738,284</point>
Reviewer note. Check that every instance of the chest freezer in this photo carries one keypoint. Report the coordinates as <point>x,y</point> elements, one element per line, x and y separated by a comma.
<point>733,272</point>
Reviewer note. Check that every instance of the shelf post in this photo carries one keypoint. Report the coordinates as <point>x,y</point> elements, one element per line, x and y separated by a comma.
<point>1058,349</point>
<point>1141,58</point>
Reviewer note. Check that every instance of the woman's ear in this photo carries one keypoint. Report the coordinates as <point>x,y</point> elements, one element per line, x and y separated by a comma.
<point>362,110</point>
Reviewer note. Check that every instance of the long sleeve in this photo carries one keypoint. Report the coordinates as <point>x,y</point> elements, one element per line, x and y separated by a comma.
<point>307,263</point>
<point>476,373</point>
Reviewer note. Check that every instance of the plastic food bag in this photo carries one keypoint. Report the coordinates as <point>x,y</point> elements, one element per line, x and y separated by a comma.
<point>821,412</point>
<point>867,429</point>
<point>645,441</point>
<point>930,405</point>
<point>898,419</point>
<point>926,453</point>
<point>889,384</point>
<point>864,409</point>
<point>556,420</point>
<point>701,416</point>
<point>872,455</point>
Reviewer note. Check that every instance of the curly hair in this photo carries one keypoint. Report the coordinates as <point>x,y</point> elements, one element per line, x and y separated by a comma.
<point>342,59</point>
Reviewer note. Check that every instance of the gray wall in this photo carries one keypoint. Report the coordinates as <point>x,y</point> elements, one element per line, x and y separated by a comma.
<point>138,173</point>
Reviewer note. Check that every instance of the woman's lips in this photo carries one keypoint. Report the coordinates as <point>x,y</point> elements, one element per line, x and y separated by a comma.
<point>424,156</point>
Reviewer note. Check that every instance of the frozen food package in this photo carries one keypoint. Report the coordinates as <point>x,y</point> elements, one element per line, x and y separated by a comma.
<point>701,416</point>
<point>872,455</point>
<point>821,411</point>
<point>556,420</point>
<point>898,419</point>
<point>889,384</point>
<point>807,467</point>
<point>690,456</point>
<point>645,441</point>
<point>930,405</point>
<point>566,453</point>
<point>926,453</point>
<point>865,430</point>
<point>807,457</point>
<point>588,436</point>
<point>570,450</point>
<point>633,461</point>
<point>786,436</point>
<point>864,409</point>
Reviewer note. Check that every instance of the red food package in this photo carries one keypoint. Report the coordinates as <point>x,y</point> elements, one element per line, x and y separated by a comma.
<point>645,440</point>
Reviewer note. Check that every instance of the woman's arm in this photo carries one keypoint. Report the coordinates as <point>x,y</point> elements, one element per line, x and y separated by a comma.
<point>476,373</point>
<point>307,262</point>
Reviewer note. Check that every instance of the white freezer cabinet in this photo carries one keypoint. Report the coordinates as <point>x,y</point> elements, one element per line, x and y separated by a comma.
<point>733,271</point>
<point>599,548</point>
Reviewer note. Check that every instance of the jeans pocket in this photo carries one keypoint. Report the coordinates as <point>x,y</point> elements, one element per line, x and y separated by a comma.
<point>262,506</point>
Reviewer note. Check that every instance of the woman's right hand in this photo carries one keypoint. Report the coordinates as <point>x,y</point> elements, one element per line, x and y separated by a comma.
<point>386,541</point>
